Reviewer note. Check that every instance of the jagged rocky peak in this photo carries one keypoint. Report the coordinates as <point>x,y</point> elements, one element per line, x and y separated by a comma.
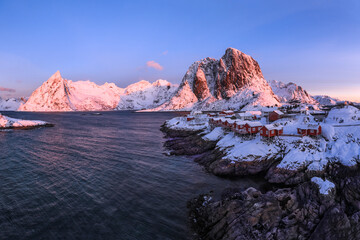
<point>222,78</point>
<point>51,95</point>
<point>235,80</point>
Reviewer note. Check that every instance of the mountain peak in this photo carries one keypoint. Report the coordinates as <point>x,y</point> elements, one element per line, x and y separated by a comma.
<point>290,91</point>
<point>235,80</point>
<point>55,77</point>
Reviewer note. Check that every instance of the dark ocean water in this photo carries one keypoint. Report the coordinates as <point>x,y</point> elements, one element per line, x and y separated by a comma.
<point>97,177</point>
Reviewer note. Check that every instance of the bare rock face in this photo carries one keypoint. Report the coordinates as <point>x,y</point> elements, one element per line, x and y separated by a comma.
<point>250,214</point>
<point>236,70</point>
<point>234,81</point>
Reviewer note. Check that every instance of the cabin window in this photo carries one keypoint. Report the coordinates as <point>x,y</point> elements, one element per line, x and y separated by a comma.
<point>272,131</point>
<point>253,129</point>
<point>267,132</point>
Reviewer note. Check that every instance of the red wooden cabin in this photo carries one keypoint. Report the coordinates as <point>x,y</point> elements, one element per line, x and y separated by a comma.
<point>253,127</point>
<point>310,130</point>
<point>275,115</point>
<point>271,131</point>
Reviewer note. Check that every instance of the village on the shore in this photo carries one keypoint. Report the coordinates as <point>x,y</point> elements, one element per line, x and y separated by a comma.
<point>295,137</point>
<point>270,121</point>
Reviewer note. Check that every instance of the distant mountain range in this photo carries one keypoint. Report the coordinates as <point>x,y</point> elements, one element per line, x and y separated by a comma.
<point>59,94</point>
<point>235,81</point>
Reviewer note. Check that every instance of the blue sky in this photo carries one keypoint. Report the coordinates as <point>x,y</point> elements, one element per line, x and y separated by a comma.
<point>312,43</point>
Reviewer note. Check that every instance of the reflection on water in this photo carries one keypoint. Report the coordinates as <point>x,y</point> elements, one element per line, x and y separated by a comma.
<point>97,177</point>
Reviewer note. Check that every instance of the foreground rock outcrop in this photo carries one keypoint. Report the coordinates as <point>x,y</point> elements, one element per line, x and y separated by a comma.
<point>302,203</point>
<point>299,212</point>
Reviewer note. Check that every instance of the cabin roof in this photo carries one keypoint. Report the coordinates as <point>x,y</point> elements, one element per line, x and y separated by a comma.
<point>310,126</point>
<point>272,127</point>
<point>254,124</point>
<point>278,112</point>
<point>228,111</point>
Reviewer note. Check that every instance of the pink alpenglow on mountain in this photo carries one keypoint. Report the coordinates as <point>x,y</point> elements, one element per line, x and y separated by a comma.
<point>235,81</point>
<point>291,91</point>
<point>59,94</point>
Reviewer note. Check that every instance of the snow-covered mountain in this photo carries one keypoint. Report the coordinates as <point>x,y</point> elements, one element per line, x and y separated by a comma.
<point>326,100</point>
<point>11,104</point>
<point>59,94</point>
<point>143,95</point>
<point>235,81</point>
<point>290,91</point>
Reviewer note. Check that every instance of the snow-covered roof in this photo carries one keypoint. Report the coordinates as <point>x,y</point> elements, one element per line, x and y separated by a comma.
<point>309,126</point>
<point>254,112</point>
<point>272,127</point>
<point>278,112</point>
<point>240,122</point>
<point>194,112</point>
<point>244,114</point>
<point>228,111</point>
<point>254,124</point>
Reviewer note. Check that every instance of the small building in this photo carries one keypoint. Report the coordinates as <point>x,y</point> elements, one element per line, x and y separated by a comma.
<point>248,115</point>
<point>190,118</point>
<point>229,123</point>
<point>226,113</point>
<point>239,127</point>
<point>275,115</point>
<point>253,127</point>
<point>211,114</point>
<point>309,130</point>
<point>271,131</point>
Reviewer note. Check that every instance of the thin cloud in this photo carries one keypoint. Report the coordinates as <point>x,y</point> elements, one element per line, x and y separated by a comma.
<point>2,89</point>
<point>155,65</point>
<point>165,52</point>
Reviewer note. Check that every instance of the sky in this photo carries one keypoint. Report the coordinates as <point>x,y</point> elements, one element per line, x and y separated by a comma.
<point>313,43</point>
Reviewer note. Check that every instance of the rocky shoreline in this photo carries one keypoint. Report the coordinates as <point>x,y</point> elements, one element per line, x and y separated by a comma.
<point>27,127</point>
<point>295,209</point>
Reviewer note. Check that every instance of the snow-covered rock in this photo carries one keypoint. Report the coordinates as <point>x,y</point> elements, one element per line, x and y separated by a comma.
<point>235,81</point>
<point>344,115</point>
<point>59,94</point>
<point>290,91</point>
<point>325,186</point>
<point>8,123</point>
<point>11,104</point>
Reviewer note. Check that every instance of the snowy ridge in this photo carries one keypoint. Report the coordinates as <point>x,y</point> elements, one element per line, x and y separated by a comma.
<point>8,122</point>
<point>59,94</point>
<point>11,104</point>
<point>326,100</point>
<point>290,91</point>
<point>233,82</point>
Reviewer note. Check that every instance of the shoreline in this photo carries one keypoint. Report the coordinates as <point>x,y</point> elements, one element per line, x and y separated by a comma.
<point>291,208</point>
